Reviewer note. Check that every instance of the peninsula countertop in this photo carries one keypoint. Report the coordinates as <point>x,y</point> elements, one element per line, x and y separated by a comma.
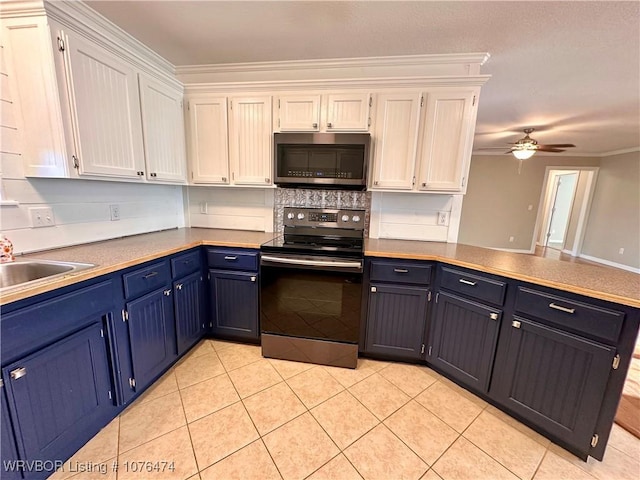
<point>595,281</point>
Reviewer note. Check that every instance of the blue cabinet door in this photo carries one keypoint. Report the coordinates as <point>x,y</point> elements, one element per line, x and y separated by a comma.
<point>152,336</point>
<point>554,379</point>
<point>396,321</point>
<point>60,396</point>
<point>9,469</point>
<point>234,304</point>
<point>463,339</point>
<point>188,301</point>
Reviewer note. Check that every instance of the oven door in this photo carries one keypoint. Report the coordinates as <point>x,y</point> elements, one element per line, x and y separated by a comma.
<point>312,297</point>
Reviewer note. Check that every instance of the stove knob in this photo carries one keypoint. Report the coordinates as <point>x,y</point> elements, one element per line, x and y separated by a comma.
<point>356,218</point>
<point>290,216</point>
<point>345,218</point>
<point>300,216</point>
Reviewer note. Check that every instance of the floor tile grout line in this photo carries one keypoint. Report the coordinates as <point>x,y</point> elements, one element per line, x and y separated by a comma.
<point>261,439</point>
<point>193,449</point>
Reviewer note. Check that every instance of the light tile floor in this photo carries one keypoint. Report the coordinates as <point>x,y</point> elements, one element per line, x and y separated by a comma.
<point>224,412</point>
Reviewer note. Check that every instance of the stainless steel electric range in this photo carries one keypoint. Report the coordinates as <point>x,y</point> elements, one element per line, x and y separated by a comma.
<point>311,287</point>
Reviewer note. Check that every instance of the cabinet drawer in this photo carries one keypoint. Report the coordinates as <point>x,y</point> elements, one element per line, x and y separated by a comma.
<point>398,272</point>
<point>233,259</point>
<point>480,288</point>
<point>146,279</point>
<point>30,328</point>
<point>185,264</point>
<point>580,317</point>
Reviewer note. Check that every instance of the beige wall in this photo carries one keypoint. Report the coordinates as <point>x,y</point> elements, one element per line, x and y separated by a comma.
<point>614,220</point>
<point>498,197</point>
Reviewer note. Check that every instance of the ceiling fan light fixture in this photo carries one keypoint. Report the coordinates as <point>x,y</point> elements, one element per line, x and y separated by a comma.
<point>523,154</point>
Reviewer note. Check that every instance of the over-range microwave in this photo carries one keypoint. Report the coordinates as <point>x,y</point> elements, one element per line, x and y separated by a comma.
<point>321,160</point>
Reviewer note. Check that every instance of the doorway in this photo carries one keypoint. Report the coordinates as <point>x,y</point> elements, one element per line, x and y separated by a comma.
<point>564,207</point>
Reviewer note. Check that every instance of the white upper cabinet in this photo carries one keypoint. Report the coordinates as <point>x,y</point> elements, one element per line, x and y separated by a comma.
<point>447,138</point>
<point>250,140</point>
<point>332,112</point>
<point>394,139</point>
<point>299,113</point>
<point>36,104</point>
<point>208,140</point>
<point>423,141</point>
<point>163,131</point>
<point>348,112</point>
<point>105,111</point>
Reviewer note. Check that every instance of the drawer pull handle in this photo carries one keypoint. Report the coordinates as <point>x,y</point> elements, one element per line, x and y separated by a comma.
<point>149,275</point>
<point>230,258</point>
<point>401,270</point>
<point>561,308</point>
<point>493,316</point>
<point>467,282</point>
<point>18,373</point>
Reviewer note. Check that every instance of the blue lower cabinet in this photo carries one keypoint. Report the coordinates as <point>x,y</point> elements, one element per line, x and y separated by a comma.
<point>234,304</point>
<point>188,305</point>
<point>152,336</point>
<point>10,468</point>
<point>59,397</point>
<point>396,321</point>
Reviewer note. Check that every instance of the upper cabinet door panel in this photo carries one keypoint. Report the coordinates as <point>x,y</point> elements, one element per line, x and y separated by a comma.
<point>299,113</point>
<point>163,129</point>
<point>348,112</point>
<point>105,111</point>
<point>250,141</point>
<point>396,131</point>
<point>447,139</point>
<point>208,140</point>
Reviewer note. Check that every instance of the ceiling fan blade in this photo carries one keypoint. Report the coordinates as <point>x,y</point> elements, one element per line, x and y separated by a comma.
<point>547,149</point>
<point>558,145</point>
<point>490,148</point>
<point>508,152</point>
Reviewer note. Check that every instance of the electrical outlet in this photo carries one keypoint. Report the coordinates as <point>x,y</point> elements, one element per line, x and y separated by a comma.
<point>42,217</point>
<point>530,207</point>
<point>115,212</point>
<point>621,251</point>
<point>511,239</point>
<point>203,208</point>
<point>443,218</point>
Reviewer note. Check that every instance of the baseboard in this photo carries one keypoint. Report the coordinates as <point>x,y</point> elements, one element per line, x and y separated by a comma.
<point>610,263</point>
<point>513,250</point>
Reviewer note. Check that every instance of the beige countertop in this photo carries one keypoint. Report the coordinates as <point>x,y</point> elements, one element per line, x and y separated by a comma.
<point>594,281</point>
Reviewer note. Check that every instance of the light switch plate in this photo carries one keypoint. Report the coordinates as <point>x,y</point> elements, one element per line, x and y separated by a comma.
<point>42,217</point>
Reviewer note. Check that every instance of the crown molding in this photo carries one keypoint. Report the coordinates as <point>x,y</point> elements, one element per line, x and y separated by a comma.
<point>619,152</point>
<point>333,84</point>
<point>79,17</point>
<point>478,59</point>
<point>21,8</point>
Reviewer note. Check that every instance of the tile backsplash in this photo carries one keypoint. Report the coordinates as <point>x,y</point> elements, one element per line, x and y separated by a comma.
<point>315,198</point>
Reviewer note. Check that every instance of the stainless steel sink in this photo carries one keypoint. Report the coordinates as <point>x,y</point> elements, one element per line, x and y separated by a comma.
<point>21,272</point>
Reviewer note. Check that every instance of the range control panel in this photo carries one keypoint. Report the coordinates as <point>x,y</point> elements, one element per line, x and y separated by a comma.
<point>325,218</point>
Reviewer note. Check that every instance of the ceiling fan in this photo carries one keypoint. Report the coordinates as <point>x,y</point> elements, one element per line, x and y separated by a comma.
<point>526,147</point>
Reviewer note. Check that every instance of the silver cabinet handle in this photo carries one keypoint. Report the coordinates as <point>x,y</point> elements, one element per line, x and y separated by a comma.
<point>561,308</point>
<point>230,258</point>
<point>167,292</point>
<point>267,180</point>
<point>515,324</point>
<point>179,286</point>
<point>493,316</point>
<point>149,275</point>
<point>253,279</point>
<point>18,373</point>
<point>376,182</point>
<point>374,289</point>
<point>224,179</point>
<point>401,270</point>
<point>467,282</point>
<point>314,125</point>
<point>329,125</point>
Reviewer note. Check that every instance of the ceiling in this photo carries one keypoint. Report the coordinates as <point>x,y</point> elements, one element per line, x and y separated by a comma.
<point>571,69</point>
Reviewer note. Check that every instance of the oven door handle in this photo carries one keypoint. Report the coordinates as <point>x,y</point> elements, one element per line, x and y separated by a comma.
<point>311,263</point>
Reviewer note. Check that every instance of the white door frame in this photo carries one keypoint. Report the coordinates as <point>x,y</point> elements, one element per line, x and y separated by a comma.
<point>585,207</point>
